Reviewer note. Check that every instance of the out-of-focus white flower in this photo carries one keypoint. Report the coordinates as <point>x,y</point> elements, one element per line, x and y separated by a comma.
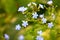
<point>41,6</point>
<point>6,36</point>
<point>35,15</point>
<point>22,9</point>
<point>34,3</point>
<point>44,20</point>
<point>39,38</point>
<point>18,27</point>
<point>21,37</point>
<point>50,25</point>
<point>29,4</point>
<point>41,16</point>
<point>53,16</point>
<point>50,2</point>
<point>40,32</point>
<point>25,23</point>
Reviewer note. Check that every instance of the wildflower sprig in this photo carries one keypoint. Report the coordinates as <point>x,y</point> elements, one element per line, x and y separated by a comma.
<point>36,15</point>
<point>35,12</point>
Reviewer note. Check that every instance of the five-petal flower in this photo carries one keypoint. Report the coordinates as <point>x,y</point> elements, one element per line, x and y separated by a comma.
<point>18,27</point>
<point>44,20</point>
<point>22,9</point>
<point>25,23</point>
<point>50,25</point>
<point>35,15</point>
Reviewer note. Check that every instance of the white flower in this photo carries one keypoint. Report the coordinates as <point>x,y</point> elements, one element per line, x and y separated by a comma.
<point>53,16</point>
<point>34,3</point>
<point>29,4</point>
<point>44,20</point>
<point>21,37</point>
<point>41,6</point>
<point>40,32</point>
<point>22,9</point>
<point>25,23</point>
<point>35,15</point>
<point>39,38</point>
<point>6,36</point>
<point>50,2</point>
<point>18,27</point>
<point>50,25</point>
<point>41,16</point>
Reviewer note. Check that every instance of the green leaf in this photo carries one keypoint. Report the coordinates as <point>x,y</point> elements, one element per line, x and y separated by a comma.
<point>9,6</point>
<point>56,2</point>
<point>24,2</point>
<point>53,35</point>
<point>42,1</point>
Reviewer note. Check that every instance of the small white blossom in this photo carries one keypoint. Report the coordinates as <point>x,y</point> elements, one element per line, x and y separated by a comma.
<point>21,37</point>
<point>6,36</point>
<point>41,6</point>
<point>50,2</point>
<point>34,3</point>
<point>35,15</point>
<point>50,25</point>
<point>39,38</point>
<point>44,20</point>
<point>25,23</point>
<point>22,9</point>
<point>40,32</point>
<point>53,16</point>
<point>18,27</point>
<point>41,16</point>
<point>29,4</point>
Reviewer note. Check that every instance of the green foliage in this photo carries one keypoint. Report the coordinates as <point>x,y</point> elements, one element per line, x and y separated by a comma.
<point>9,6</point>
<point>56,2</point>
<point>10,17</point>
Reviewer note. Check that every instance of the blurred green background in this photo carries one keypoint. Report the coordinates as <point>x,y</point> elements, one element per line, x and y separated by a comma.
<point>10,17</point>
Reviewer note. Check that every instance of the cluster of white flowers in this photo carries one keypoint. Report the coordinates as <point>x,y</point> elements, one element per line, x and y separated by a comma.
<point>18,27</point>
<point>6,36</point>
<point>22,8</point>
<point>34,15</point>
<point>40,35</point>
<point>44,20</point>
